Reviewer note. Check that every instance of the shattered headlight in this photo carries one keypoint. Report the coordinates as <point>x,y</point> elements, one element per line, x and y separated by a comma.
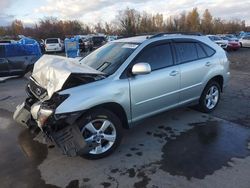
<point>43,115</point>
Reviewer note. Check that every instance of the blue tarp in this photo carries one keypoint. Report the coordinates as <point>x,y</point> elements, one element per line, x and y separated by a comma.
<point>24,47</point>
<point>27,40</point>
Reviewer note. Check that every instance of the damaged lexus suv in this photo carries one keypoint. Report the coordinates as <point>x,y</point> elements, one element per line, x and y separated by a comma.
<point>82,106</point>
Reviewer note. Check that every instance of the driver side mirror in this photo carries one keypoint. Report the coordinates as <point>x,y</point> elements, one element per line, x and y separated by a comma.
<point>141,68</point>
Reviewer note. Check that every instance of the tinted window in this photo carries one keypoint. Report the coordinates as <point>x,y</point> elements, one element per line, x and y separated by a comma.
<point>209,51</point>
<point>200,51</point>
<point>185,52</point>
<point>2,51</point>
<point>159,56</point>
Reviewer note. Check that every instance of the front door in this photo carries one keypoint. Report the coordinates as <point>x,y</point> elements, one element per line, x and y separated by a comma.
<point>158,90</point>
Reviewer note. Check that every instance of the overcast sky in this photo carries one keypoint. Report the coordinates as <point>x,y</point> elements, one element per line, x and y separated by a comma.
<point>91,11</point>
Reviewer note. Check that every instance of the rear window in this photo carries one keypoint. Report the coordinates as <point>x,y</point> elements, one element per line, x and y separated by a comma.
<point>185,51</point>
<point>51,41</point>
<point>98,39</point>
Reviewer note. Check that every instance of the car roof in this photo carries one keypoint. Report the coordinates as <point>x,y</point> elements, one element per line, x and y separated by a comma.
<point>137,39</point>
<point>141,39</point>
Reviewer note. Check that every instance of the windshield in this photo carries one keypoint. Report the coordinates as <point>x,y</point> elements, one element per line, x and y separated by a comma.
<point>109,57</point>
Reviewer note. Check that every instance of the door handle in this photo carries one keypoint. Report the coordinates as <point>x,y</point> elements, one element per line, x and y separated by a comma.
<point>208,64</point>
<point>173,73</point>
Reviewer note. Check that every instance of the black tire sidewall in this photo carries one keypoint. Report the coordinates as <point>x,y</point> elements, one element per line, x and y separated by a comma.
<point>104,114</point>
<point>202,101</point>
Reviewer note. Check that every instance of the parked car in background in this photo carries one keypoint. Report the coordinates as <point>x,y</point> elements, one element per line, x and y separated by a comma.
<point>85,44</point>
<point>218,40</point>
<point>111,38</point>
<point>231,36</point>
<point>245,41</point>
<point>18,59</point>
<point>243,34</point>
<point>54,45</point>
<point>232,43</point>
<point>85,107</point>
<point>98,41</point>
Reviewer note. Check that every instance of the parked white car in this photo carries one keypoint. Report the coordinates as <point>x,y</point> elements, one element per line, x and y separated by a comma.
<point>218,40</point>
<point>54,45</point>
<point>245,41</point>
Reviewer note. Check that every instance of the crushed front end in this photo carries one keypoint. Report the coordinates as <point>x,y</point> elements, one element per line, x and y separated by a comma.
<point>60,129</point>
<point>38,112</point>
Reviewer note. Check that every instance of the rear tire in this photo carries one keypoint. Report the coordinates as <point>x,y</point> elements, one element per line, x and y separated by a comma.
<point>106,135</point>
<point>210,97</point>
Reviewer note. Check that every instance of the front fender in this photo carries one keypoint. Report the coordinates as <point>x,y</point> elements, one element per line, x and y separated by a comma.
<point>87,96</point>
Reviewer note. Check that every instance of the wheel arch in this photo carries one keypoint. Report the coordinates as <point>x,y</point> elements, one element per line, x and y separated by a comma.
<point>219,79</point>
<point>115,108</point>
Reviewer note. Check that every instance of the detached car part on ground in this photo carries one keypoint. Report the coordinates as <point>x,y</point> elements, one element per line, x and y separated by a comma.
<point>83,106</point>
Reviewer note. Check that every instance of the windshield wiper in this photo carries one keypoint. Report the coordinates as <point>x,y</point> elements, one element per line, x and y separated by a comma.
<point>103,66</point>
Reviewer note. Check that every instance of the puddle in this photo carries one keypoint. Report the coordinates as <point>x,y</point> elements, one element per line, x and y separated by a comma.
<point>20,155</point>
<point>204,149</point>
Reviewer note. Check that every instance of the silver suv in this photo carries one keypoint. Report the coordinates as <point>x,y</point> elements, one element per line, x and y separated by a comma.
<point>83,106</point>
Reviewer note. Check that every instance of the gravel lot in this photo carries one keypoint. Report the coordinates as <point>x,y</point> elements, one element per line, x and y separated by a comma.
<point>179,148</point>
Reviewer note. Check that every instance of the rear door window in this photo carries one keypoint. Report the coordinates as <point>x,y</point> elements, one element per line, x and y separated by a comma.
<point>185,52</point>
<point>158,56</point>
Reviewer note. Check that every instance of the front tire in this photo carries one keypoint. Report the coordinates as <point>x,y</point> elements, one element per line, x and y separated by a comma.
<point>210,97</point>
<point>102,131</point>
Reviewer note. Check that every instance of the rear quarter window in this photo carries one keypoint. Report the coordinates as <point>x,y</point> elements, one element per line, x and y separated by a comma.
<point>200,51</point>
<point>209,51</point>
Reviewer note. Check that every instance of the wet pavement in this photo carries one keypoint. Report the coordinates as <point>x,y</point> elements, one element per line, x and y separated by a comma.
<point>20,155</point>
<point>179,148</point>
<point>205,148</point>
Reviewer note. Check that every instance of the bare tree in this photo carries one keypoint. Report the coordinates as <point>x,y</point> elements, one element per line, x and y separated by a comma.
<point>207,22</point>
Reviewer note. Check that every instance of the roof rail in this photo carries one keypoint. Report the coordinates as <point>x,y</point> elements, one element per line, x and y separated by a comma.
<point>173,33</point>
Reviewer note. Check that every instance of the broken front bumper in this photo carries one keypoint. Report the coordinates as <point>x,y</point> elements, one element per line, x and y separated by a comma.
<point>22,114</point>
<point>69,139</point>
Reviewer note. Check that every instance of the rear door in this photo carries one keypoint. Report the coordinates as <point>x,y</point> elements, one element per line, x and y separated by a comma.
<point>18,59</point>
<point>194,64</point>
<point>158,90</point>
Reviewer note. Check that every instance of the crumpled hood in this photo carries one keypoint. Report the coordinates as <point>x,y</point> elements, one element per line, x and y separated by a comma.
<point>52,71</point>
